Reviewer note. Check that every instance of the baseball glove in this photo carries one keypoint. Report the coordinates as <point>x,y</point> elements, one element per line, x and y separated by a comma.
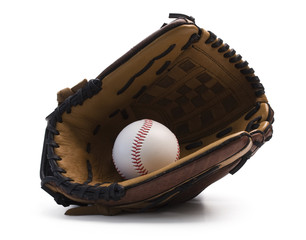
<point>181,76</point>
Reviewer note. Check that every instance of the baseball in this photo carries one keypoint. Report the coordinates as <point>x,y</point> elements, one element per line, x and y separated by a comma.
<point>143,147</point>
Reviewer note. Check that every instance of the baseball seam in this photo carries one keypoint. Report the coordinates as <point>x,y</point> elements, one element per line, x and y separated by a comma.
<point>137,145</point>
<point>120,173</point>
<point>177,151</point>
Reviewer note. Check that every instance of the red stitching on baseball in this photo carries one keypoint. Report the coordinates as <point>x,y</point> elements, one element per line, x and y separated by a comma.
<point>178,151</point>
<point>137,144</point>
<point>120,173</point>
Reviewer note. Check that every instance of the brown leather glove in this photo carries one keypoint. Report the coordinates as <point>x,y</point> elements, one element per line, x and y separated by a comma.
<point>181,76</point>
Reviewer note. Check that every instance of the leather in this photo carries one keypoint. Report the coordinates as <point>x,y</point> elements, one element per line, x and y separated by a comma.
<point>185,84</point>
<point>66,92</point>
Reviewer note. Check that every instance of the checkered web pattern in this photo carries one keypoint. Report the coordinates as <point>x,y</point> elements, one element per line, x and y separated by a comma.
<point>189,89</point>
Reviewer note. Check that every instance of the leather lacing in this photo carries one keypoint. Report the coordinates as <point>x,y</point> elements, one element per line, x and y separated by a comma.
<point>113,191</point>
<point>236,59</point>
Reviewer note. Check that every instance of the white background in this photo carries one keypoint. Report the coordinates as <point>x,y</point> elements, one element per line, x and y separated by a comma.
<point>49,45</point>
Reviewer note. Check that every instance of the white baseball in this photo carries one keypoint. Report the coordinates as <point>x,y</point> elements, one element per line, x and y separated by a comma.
<point>143,147</point>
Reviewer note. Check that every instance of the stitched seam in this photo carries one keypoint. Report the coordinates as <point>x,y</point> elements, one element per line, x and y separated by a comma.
<point>120,173</point>
<point>177,151</point>
<point>137,145</point>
